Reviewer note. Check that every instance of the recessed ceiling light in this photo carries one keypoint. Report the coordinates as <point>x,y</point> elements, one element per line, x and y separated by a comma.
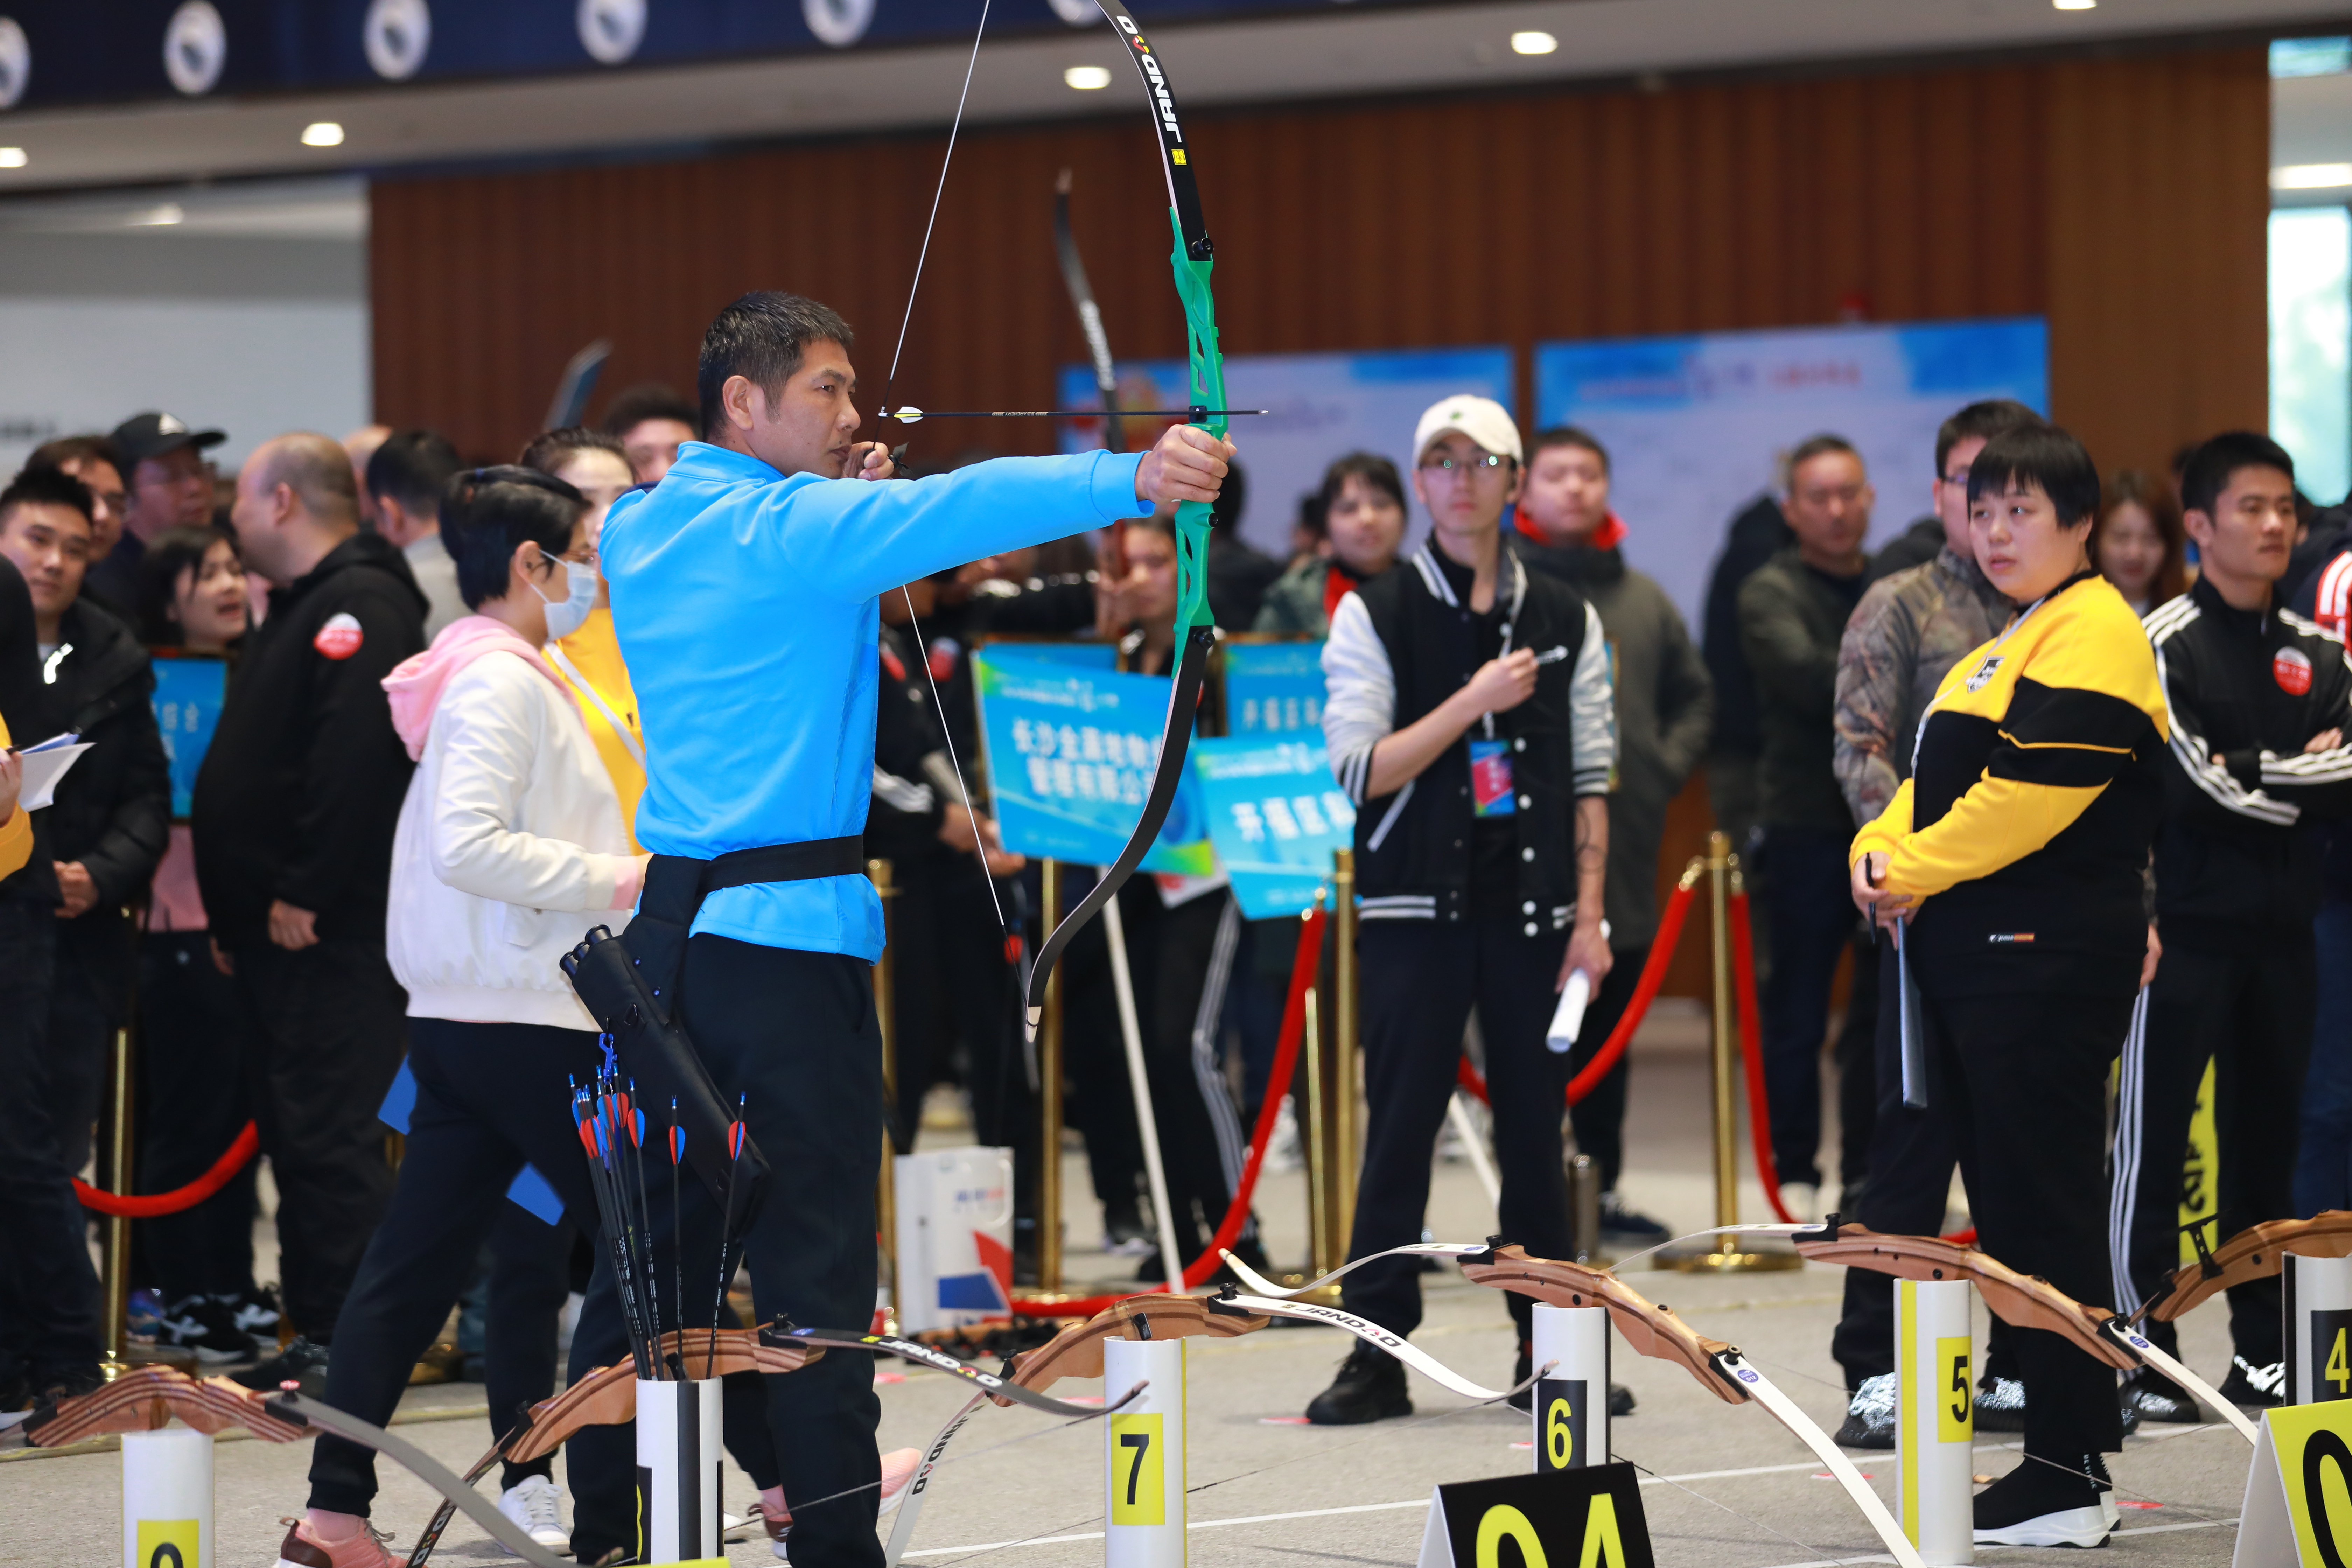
<point>323,134</point>
<point>163,217</point>
<point>12,158</point>
<point>1087,78</point>
<point>1533,43</point>
<point>2311,177</point>
<point>2074,5</point>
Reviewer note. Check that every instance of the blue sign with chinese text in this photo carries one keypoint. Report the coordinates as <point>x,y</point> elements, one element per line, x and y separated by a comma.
<point>1273,686</point>
<point>188,693</point>
<point>1276,815</point>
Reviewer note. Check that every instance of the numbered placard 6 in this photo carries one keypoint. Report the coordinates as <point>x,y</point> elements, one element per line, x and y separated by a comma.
<point>1560,1443</point>
<point>1570,1346</point>
<point>1143,1455</point>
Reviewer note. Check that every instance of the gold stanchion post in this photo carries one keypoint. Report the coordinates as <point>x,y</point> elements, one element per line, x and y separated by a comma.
<point>885,1015</point>
<point>114,1302</point>
<point>1049,1095</point>
<point>1322,1250</point>
<point>1348,1059</point>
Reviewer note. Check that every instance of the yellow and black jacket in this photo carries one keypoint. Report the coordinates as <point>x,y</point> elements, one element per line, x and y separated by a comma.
<point>2036,787</point>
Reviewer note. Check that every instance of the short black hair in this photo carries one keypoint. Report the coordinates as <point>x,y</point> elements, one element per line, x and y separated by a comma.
<point>413,467</point>
<point>489,512</point>
<point>66,449</point>
<point>633,406</point>
<point>2213,466</point>
<point>2040,456</point>
<point>1372,469</point>
<point>761,337</point>
<point>1813,447</point>
<point>1233,494</point>
<point>46,486</point>
<point>548,450</point>
<point>169,553</point>
<point>1569,436</point>
<point>1982,421</point>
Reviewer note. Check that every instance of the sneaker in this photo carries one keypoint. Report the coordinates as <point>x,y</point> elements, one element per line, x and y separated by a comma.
<point>2000,1403</point>
<point>1370,1387</point>
<point>1870,1414</point>
<point>2257,1387</point>
<point>207,1325</point>
<point>142,1313</point>
<point>1283,1152</point>
<point>1126,1235</point>
<point>302,1549</point>
<point>1621,1401</point>
<point>1622,1223</point>
<point>16,1402</point>
<point>535,1505</point>
<point>2152,1396</point>
<point>1802,1200</point>
<point>303,1362</point>
<point>256,1309</point>
<point>2095,1467</point>
<point>2041,1505</point>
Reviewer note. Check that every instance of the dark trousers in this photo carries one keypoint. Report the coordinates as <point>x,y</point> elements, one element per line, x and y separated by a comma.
<point>1420,979</point>
<point>326,1027</point>
<point>2021,1083</point>
<point>1254,1007</point>
<point>1102,1106</point>
<point>490,1099</point>
<point>84,1013</point>
<point>2251,1014</point>
<point>794,1034</point>
<point>191,1062</point>
<point>1599,1119</point>
<point>1910,1161</point>
<point>1182,961</point>
<point>2323,1170</point>
<point>1858,1065</point>
<point>530,1277</point>
<point>48,1292</point>
<point>1811,910</point>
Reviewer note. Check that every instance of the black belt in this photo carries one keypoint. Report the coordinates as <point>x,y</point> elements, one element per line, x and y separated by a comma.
<point>676,886</point>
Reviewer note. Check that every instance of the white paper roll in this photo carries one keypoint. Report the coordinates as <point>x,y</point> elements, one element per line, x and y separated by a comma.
<point>1568,1019</point>
<point>1571,1400</point>
<point>167,1499</point>
<point>2318,1312</point>
<point>678,1459</point>
<point>1143,1455</point>
<point>1935,1416</point>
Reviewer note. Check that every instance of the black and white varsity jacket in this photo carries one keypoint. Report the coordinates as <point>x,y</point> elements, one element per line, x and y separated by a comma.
<point>2235,867</point>
<point>1400,646</point>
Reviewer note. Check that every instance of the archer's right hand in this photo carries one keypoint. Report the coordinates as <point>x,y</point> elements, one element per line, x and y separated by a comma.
<point>1186,463</point>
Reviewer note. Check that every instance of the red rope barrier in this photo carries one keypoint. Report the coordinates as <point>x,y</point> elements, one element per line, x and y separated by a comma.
<point>1303,970</point>
<point>243,1149</point>
<point>1751,1051</point>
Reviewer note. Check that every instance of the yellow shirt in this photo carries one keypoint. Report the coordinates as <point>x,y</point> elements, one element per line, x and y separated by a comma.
<point>16,833</point>
<point>590,662</point>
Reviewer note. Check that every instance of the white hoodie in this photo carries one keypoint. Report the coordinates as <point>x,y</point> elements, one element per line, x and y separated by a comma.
<point>511,843</point>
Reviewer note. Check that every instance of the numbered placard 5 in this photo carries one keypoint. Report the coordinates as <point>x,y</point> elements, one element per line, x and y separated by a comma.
<point>1956,1411</point>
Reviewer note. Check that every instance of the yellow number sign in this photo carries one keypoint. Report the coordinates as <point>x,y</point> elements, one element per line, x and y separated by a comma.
<point>1956,1409</point>
<point>1138,1492</point>
<point>1559,1436</point>
<point>169,1543</point>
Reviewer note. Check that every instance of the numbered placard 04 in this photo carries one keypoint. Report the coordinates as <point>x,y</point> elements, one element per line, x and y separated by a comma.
<point>170,1542</point>
<point>1560,1425</point>
<point>1139,1447</point>
<point>1582,1518</point>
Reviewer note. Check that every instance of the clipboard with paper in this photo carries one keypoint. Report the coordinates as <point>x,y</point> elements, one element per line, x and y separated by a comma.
<point>45,764</point>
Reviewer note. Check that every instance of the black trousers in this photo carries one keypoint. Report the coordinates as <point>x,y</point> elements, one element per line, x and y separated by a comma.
<point>794,1034</point>
<point>1910,1161</point>
<point>2021,1083</point>
<point>530,1278</point>
<point>83,1016</point>
<point>326,1027</point>
<point>1858,1065</point>
<point>191,1061</point>
<point>1101,1105</point>
<point>2251,1014</point>
<point>1808,904</point>
<point>1599,1119</point>
<point>1181,962</point>
<point>1420,979</point>
<point>48,1292</point>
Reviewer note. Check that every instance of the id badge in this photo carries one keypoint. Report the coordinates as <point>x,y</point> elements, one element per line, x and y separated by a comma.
<point>1490,779</point>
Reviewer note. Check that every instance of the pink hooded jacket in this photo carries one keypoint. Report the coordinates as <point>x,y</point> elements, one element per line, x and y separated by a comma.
<point>417,682</point>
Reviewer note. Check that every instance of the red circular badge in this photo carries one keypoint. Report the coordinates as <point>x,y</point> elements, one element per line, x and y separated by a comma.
<point>2291,668</point>
<point>341,638</point>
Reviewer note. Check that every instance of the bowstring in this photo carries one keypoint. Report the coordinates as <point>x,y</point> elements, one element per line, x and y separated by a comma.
<point>938,705</point>
<point>890,383</point>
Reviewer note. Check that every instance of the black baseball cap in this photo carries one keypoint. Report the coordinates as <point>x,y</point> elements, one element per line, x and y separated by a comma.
<point>145,435</point>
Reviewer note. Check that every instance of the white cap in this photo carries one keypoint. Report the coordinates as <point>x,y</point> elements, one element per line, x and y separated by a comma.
<point>1482,419</point>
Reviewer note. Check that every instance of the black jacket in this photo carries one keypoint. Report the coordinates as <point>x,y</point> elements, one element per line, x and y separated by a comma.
<point>2237,861</point>
<point>1755,536</point>
<point>1791,621</point>
<point>1915,546</point>
<point>1400,646</point>
<point>113,809</point>
<point>299,794</point>
<point>903,823</point>
<point>25,710</point>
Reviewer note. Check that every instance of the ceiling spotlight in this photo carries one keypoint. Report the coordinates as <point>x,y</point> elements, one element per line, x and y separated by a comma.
<point>323,134</point>
<point>1533,43</point>
<point>1087,78</point>
<point>2074,5</point>
<point>12,157</point>
<point>163,217</point>
<point>2311,177</point>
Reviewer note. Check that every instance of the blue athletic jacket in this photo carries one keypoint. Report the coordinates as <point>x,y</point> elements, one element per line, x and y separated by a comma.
<point>745,606</point>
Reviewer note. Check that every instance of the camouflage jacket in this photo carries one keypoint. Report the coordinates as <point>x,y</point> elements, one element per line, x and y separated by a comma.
<point>1907,632</point>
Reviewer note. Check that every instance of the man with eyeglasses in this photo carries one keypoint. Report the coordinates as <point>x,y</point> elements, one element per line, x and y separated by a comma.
<point>1469,717</point>
<point>1912,625</point>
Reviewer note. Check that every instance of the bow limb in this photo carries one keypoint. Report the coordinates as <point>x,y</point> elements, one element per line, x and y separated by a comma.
<point>2255,1253</point>
<point>1077,1351</point>
<point>146,1400</point>
<point>1090,321</point>
<point>1192,260</point>
<point>1651,1329</point>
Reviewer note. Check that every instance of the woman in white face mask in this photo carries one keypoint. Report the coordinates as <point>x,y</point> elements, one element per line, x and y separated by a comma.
<point>509,847</point>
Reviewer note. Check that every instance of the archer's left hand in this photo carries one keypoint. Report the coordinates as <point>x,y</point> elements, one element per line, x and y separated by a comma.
<point>1587,949</point>
<point>1185,463</point>
<point>868,460</point>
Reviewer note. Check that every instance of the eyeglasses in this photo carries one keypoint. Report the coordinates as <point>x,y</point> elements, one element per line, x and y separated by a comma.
<point>1483,462</point>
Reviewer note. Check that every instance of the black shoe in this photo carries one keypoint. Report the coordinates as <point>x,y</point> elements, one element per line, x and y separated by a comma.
<point>256,1309</point>
<point>303,1362</point>
<point>1622,1223</point>
<point>2041,1505</point>
<point>1523,1399</point>
<point>1620,1400</point>
<point>2257,1387</point>
<point>16,1402</point>
<point>1870,1414</point>
<point>2156,1397</point>
<point>1370,1387</point>
<point>57,1385</point>
<point>207,1325</point>
<point>2000,1403</point>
